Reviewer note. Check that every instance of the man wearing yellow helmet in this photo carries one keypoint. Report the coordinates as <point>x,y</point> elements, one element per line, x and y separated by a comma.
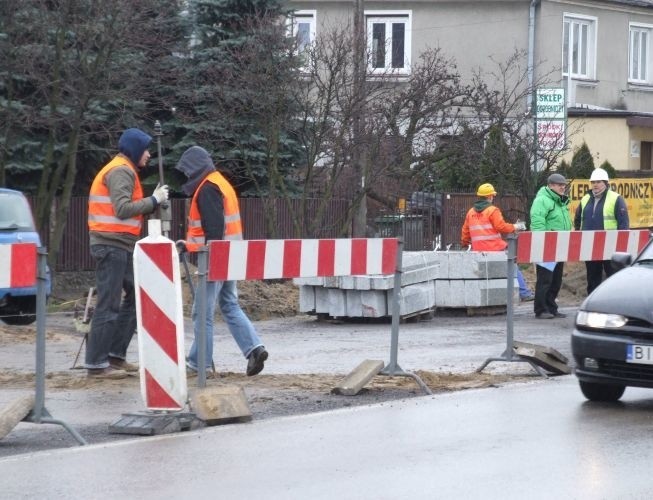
<point>483,227</point>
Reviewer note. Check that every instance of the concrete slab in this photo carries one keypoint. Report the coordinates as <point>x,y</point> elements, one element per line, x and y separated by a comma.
<point>543,360</point>
<point>359,376</point>
<point>14,412</point>
<point>220,405</point>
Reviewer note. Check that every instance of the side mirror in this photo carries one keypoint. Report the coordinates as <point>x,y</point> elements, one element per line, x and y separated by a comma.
<point>621,260</point>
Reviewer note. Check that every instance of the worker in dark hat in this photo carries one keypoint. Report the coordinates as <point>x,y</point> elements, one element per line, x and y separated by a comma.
<point>116,205</point>
<point>215,215</point>
<point>550,212</point>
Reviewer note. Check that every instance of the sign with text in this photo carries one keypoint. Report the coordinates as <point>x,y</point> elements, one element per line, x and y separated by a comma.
<point>638,194</point>
<point>550,104</point>
<point>550,119</point>
<point>551,135</point>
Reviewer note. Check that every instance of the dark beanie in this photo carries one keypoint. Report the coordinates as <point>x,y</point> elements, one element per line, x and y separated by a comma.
<point>133,143</point>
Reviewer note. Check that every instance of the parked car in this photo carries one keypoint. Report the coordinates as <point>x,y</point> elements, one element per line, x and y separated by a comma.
<point>612,342</point>
<point>18,304</point>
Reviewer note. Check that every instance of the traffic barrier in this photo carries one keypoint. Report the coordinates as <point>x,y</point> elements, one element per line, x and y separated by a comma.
<point>23,265</point>
<point>284,259</point>
<point>573,246</point>
<point>277,259</point>
<point>18,268</point>
<point>160,321</point>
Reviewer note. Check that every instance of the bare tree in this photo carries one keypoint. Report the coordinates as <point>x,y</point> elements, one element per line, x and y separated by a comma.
<point>81,72</point>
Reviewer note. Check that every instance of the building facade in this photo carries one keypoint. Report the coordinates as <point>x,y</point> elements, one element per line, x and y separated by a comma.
<point>598,51</point>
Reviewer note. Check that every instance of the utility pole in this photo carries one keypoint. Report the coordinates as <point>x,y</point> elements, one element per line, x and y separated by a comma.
<point>359,222</point>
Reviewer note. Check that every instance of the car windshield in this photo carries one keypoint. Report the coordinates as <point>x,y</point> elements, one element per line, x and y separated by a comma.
<point>15,213</point>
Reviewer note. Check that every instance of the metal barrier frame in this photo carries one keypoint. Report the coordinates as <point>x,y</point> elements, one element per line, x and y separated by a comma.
<point>391,369</point>
<point>40,414</point>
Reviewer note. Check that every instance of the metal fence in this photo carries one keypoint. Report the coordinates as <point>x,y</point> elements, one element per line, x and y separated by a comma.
<point>74,252</point>
<point>423,226</point>
<point>437,224</point>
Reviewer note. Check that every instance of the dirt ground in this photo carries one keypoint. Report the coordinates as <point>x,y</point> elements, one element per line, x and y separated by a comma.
<point>268,395</point>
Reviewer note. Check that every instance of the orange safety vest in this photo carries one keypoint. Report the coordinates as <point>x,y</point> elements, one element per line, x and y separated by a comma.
<point>233,229</point>
<point>485,238</point>
<point>101,214</point>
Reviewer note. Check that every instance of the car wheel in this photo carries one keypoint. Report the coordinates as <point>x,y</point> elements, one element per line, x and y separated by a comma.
<point>601,392</point>
<point>24,319</point>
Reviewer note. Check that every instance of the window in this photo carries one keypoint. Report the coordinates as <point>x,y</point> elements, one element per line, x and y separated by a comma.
<point>645,156</point>
<point>388,39</point>
<point>639,53</point>
<point>579,34</point>
<point>303,28</point>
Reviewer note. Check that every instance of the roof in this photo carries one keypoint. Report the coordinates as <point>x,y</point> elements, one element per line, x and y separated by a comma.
<point>636,3</point>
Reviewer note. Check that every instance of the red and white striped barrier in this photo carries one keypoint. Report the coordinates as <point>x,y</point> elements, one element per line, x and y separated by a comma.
<point>572,246</point>
<point>17,265</point>
<point>160,321</point>
<point>276,259</point>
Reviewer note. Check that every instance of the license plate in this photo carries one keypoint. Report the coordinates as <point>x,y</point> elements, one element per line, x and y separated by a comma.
<point>642,354</point>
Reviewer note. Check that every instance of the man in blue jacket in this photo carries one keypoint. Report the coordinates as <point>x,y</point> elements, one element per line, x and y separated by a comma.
<point>600,208</point>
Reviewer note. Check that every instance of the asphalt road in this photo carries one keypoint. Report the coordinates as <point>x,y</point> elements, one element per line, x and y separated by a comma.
<point>534,440</point>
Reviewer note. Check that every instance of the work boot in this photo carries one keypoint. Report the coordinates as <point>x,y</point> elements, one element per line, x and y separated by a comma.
<point>545,315</point>
<point>122,364</point>
<point>108,373</point>
<point>255,361</point>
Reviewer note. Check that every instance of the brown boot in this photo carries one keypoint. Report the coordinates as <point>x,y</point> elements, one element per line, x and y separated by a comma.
<point>121,364</point>
<point>108,373</point>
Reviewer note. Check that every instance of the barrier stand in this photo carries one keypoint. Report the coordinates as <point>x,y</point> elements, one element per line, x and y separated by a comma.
<point>159,315</point>
<point>202,265</point>
<point>509,355</point>
<point>40,414</point>
<point>393,369</point>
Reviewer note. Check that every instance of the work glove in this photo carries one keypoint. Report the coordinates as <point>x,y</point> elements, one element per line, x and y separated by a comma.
<point>520,226</point>
<point>181,246</point>
<point>161,193</point>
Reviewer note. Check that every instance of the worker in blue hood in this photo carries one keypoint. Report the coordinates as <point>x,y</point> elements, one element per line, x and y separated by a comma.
<point>133,143</point>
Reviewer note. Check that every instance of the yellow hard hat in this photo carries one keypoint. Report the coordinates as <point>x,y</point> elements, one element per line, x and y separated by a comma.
<point>486,189</point>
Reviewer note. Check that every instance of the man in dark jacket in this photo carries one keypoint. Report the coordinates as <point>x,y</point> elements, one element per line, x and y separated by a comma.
<point>600,208</point>
<point>115,217</point>
<point>215,215</point>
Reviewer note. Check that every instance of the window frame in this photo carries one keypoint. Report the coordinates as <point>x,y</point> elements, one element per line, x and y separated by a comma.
<point>311,16</point>
<point>388,18</point>
<point>590,52</point>
<point>633,28</point>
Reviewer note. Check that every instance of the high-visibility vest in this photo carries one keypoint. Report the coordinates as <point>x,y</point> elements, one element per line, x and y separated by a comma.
<point>101,214</point>
<point>233,229</point>
<point>609,219</point>
<point>482,233</point>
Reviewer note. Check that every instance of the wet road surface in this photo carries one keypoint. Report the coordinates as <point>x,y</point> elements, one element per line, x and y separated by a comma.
<point>535,440</point>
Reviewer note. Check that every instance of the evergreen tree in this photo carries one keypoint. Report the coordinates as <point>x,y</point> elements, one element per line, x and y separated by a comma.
<point>75,74</point>
<point>242,72</point>
<point>582,163</point>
